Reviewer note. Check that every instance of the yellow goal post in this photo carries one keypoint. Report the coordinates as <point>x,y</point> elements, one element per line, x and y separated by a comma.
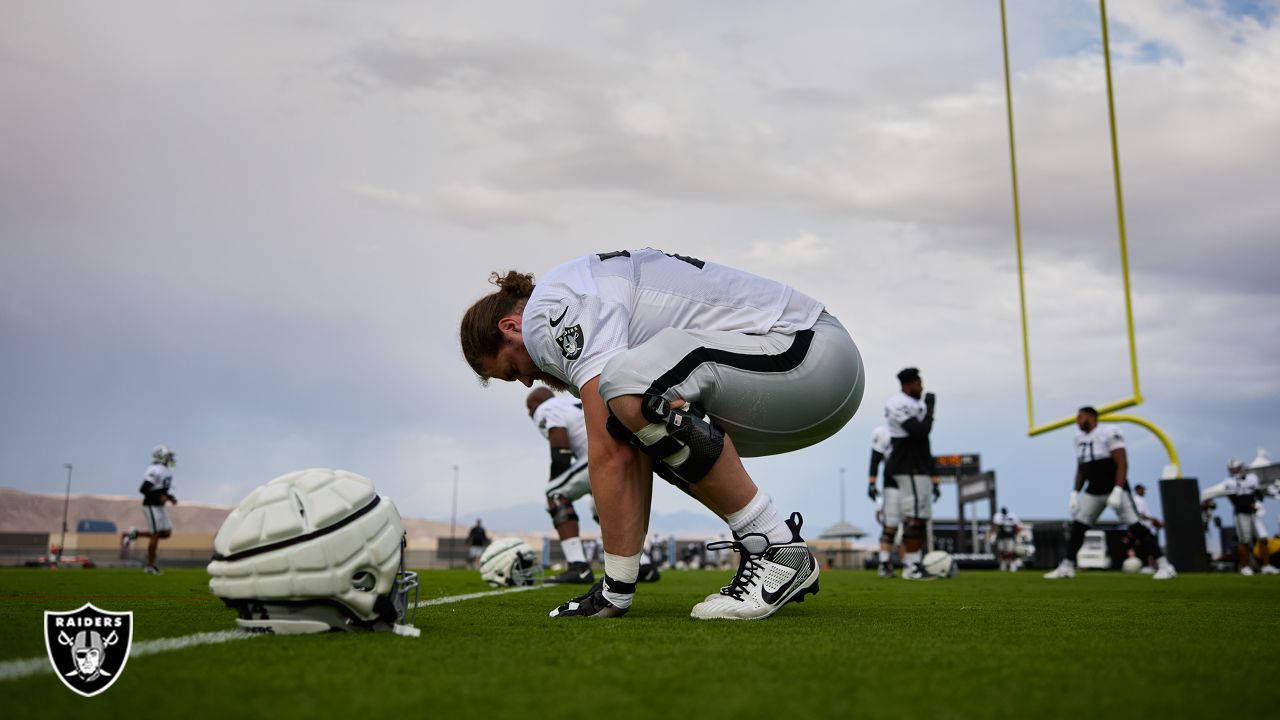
<point>1109,411</point>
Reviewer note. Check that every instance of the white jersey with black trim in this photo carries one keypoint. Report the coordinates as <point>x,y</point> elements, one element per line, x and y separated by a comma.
<point>1006,524</point>
<point>1093,455</point>
<point>563,412</point>
<point>161,478</point>
<point>880,441</point>
<point>589,309</point>
<point>898,409</point>
<point>1241,491</point>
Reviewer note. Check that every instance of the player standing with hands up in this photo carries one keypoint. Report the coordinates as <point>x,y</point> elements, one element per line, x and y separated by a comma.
<point>910,420</point>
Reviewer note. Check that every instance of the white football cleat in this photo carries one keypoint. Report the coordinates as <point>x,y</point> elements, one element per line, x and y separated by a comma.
<point>1246,571</point>
<point>1270,570</point>
<point>769,576</point>
<point>1165,572</point>
<point>1064,570</point>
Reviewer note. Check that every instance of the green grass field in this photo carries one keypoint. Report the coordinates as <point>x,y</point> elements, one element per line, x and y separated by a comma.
<point>982,645</point>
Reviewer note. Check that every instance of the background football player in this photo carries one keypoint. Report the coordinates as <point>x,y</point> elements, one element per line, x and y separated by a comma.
<point>1242,490</point>
<point>1004,531</point>
<point>157,489</point>
<point>1102,469</point>
<point>561,422</point>
<point>909,414</point>
<point>881,446</point>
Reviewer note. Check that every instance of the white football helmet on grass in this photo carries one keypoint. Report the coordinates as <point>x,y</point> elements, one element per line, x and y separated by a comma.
<point>940,563</point>
<point>314,551</point>
<point>509,562</point>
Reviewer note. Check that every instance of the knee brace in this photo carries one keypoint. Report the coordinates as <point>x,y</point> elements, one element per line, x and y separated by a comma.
<point>684,443</point>
<point>913,529</point>
<point>562,512</point>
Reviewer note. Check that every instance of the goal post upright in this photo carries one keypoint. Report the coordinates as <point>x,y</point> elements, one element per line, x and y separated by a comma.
<point>1108,411</point>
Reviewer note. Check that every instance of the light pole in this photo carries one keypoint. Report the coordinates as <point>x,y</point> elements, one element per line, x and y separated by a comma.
<point>66,503</point>
<point>453,519</point>
<point>841,494</point>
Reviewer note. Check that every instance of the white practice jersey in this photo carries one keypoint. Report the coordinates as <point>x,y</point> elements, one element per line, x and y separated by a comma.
<point>880,441</point>
<point>589,309</point>
<point>563,412</point>
<point>161,479</point>
<point>1241,491</point>
<point>1006,524</point>
<point>898,409</point>
<point>1093,455</point>
<point>161,476</point>
<point>1098,443</point>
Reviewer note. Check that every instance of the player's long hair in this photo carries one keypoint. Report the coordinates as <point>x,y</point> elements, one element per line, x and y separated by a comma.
<point>480,335</point>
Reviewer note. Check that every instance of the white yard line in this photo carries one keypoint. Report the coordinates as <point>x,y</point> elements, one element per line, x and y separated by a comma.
<point>472,596</point>
<point>14,669</point>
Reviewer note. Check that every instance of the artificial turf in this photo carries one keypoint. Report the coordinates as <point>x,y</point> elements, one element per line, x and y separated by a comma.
<point>981,645</point>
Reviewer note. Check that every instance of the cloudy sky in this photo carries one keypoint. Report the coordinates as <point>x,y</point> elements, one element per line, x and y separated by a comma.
<point>249,230</point>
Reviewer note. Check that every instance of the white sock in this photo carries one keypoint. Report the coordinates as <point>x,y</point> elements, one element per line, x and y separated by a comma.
<point>1162,561</point>
<point>759,516</point>
<point>884,557</point>
<point>623,568</point>
<point>912,557</point>
<point>572,548</point>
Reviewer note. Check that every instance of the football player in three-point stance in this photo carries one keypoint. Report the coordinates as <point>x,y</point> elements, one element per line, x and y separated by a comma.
<point>683,368</point>
<point>911,466</point>
<point>1102,469</point>
<point>1242,489</point>
<point>157,489</point>
<point>561,422</point>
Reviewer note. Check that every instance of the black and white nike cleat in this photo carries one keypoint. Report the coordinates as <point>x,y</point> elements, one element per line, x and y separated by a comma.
<point>649,573</point>
<point>592,604</point>
<point>578,573</point>
<point>769,576</point>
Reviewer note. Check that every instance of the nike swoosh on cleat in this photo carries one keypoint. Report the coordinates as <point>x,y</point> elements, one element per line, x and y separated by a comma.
<point>773,597</point>
<point>559,319</point>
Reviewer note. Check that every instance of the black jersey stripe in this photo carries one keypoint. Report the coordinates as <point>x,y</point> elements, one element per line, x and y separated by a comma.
<point>782,362</point>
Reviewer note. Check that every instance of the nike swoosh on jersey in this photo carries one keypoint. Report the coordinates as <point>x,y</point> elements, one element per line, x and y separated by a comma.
<point>558,320</point>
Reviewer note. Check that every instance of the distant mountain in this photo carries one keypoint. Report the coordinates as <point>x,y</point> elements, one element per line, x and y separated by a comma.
<point>42,512</point>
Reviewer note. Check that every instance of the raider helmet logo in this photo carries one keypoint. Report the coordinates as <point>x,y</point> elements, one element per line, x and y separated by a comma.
<point>88,647</point>
<point>570,342</point>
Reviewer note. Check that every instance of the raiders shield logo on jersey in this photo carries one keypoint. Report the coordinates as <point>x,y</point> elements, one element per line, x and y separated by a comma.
<point>570,342</point>
<point>88,647</point>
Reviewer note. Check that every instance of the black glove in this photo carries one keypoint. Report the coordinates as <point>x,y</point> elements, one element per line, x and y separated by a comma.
<point>929,400</point>
<point>937,491</point>
<point>872,492</point>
